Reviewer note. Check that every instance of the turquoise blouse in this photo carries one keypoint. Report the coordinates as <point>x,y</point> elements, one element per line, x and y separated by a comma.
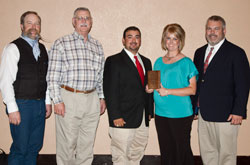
<point>175,75</point>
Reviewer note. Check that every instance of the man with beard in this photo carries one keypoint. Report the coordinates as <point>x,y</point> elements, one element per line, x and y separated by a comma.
<point>129,107</point>
<point>75,83</point>
<point>23,85</point>
<point>222,94</point>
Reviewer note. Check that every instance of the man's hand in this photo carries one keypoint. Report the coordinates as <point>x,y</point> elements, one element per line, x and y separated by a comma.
<point>148,90</point>
<point>119,122</point>
<point>235,119</point>
<point>48,110</point>
<point>196,117</point>
<point>59,109</point>
<point>15,118</point>
<point>102,106</point>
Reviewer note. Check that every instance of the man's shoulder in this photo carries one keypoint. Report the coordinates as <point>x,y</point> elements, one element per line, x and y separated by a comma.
<point>201,48</point>
<point>41,44</point>
<point>232,46</point>
<point>17,44</point>
<point>60,42</point>
<point>200,51</point>
<point>11,47</point>
<point>65,37</point>
<point>18,41</point>
<point>144,58</point>
<point>116,56</point>
<point>94,41</point>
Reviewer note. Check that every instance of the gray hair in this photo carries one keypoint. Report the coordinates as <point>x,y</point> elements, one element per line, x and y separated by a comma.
<point>81,9</point>
<point>217,18</point>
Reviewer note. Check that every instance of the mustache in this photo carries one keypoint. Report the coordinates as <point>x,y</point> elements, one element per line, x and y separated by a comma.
<point>33,30</point>
<point>212,35</point>
<point>83,25</point>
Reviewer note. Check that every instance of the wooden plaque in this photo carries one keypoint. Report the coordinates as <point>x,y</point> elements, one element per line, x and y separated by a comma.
<point>154,79</point>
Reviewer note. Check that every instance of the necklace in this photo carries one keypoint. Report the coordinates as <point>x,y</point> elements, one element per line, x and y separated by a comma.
<point>169,58</point>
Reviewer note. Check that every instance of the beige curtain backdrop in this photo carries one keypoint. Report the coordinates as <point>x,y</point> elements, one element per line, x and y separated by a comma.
<point>110,18</point>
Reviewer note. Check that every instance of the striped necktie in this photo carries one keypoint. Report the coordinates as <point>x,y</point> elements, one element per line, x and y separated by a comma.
<point>207,59</point>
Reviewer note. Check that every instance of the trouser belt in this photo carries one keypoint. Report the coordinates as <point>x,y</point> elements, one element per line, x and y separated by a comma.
<point>77,91</point>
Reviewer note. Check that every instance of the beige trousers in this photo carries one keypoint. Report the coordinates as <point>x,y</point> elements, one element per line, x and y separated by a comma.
<point>218,142</point>
<point>128,145</point>
<point>75,132</point>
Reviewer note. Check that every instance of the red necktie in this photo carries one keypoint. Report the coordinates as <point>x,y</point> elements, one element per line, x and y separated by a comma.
<point>207,59</point>
<point>140,70</point>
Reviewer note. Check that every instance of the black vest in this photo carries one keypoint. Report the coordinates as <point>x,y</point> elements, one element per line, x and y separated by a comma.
<point>31,75</point>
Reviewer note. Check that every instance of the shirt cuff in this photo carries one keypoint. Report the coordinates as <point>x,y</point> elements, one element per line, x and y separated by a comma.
<point>101,96</point>
<point>57,100</point>
<point>12,107</point>
<point>48,100</point>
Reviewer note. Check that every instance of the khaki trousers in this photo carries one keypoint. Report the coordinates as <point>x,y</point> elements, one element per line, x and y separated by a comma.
<point>218,142</point>
<point>128,145</point>
<point>75,132</point>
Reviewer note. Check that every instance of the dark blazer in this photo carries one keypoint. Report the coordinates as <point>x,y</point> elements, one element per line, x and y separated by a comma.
<point>124,94</point>
<point>224,88</point>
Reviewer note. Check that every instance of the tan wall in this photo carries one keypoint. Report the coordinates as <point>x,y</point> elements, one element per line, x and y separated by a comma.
<point>111,17</point>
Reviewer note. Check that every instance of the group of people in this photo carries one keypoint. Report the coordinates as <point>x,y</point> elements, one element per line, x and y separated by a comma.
<point>81,84</point>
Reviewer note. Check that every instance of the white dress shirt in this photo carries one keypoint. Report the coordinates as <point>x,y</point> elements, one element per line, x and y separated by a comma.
<point>131,56</point>
<point>8,71</point>
<point>216,48</point>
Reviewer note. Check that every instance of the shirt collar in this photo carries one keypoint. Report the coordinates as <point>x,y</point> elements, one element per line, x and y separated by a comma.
<point>131,55</point>
<point>29,40</point>
<point>78,36</point>
<point>217,46</point>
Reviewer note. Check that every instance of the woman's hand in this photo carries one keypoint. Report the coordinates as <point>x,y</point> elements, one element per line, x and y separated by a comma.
<point>163,91</point>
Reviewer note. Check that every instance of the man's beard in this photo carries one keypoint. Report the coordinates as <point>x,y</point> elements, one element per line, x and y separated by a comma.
<point>30,31</point>
<point>214,42</point>
<point>134,47</point>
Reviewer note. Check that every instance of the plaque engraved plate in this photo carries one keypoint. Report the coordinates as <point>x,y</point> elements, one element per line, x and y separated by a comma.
<point>154,79</point>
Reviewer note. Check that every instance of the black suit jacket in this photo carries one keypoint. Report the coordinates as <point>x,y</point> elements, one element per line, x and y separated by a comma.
<point>124,94</point>
<point>224,88</point>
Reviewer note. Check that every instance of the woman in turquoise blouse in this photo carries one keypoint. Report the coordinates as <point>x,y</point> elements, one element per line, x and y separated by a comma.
<point>173,108</point>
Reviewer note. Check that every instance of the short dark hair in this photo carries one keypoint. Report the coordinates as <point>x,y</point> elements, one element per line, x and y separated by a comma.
<point>27,13</point>
<point>134,28</point>
<point>217,18</point>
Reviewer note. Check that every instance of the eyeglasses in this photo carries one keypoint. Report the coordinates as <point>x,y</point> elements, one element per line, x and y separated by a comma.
<point>86,18</point>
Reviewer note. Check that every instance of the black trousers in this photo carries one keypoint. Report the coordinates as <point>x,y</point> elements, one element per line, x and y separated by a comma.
<point>174,140</point>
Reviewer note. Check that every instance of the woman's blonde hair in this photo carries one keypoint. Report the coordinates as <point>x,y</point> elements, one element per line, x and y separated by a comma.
<point>179,33</point>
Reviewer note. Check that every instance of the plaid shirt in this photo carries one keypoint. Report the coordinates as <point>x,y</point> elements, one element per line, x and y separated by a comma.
<point>75,64</point>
